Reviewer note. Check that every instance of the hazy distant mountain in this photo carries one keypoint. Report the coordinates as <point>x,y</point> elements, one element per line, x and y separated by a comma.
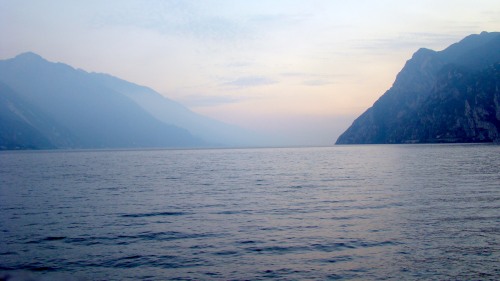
<point>52,105</point>
<point>23,126</point>
<point>447,96</point>
<point>171,112</point>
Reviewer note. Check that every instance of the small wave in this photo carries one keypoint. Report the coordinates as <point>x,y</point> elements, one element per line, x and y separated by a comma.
<point>340,246</point>
<point>166,235</point>
<point>43,268</point>
<point>276,249</point>
<point>127,262</point>
<point>337,259</point>
<point>128,239</point>
<point>87,241</point>
<point>248,242</point>
<point>25,275</point>
<point>165,261</point>
<point>278,273</point>
<point>54,238</point>
<point>233,212</point>
<point>226,253</point>
<point>153,214</point>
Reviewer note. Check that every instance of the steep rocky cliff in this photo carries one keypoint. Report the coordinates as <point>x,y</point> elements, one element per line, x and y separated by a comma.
<point>447,96</point>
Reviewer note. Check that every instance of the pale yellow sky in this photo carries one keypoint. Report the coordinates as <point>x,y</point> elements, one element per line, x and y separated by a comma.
<point>300,69</point>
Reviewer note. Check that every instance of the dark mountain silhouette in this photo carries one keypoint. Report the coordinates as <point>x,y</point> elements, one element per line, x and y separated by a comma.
<point>52,105</point>
<point>447,96</point>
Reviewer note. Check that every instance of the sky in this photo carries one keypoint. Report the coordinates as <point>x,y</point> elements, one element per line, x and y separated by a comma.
<point>301,70</point>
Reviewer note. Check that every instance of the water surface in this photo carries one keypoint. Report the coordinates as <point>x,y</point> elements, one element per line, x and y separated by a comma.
<point>399,212</point>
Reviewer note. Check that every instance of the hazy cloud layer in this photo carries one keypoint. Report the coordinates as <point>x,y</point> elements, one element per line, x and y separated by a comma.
<point>250,81</point>
<point>317,82</point>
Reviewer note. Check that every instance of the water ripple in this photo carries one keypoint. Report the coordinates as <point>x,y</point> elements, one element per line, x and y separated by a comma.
<point>153,214</point>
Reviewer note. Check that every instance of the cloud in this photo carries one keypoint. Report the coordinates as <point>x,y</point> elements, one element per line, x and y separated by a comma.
<point>238,64</point>
<point>178,18</point>
<point>316,82</point>
<point>251,81</point>
<point>295,74</point>
<point>214,28</point>
<point>311,79</point>
<point>278,20</point>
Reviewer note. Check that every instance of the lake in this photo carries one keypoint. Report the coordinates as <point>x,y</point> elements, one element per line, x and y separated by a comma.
<point>373,212</point>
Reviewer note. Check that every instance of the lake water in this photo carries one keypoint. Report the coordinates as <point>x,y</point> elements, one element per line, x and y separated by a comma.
<point>376,212</point>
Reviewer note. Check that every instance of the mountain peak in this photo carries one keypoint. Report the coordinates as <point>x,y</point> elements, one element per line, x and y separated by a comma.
<point>29,56</point>
<point>423,52</point>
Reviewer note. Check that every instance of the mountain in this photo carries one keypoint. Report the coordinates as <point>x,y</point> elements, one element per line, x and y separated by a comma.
<point>52,105</point>
<point>22,125</point>
<point>171,112</point>
<point>451,95</point>
<point>48,105</point>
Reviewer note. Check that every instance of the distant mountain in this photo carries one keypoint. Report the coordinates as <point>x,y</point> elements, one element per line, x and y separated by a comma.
<point>447,96</point>
<point>52,105</point>
<point>46,105</point>
<point>23,126</point>
<point>171,112</point>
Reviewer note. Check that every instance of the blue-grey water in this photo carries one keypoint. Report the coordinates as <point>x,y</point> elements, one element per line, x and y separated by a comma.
<point>375,212</point>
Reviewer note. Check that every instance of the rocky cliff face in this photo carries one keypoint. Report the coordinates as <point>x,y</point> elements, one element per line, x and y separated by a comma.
<point>447,96</point>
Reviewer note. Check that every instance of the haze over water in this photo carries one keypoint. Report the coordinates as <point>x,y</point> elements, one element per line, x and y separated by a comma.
<point>403,212</point>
